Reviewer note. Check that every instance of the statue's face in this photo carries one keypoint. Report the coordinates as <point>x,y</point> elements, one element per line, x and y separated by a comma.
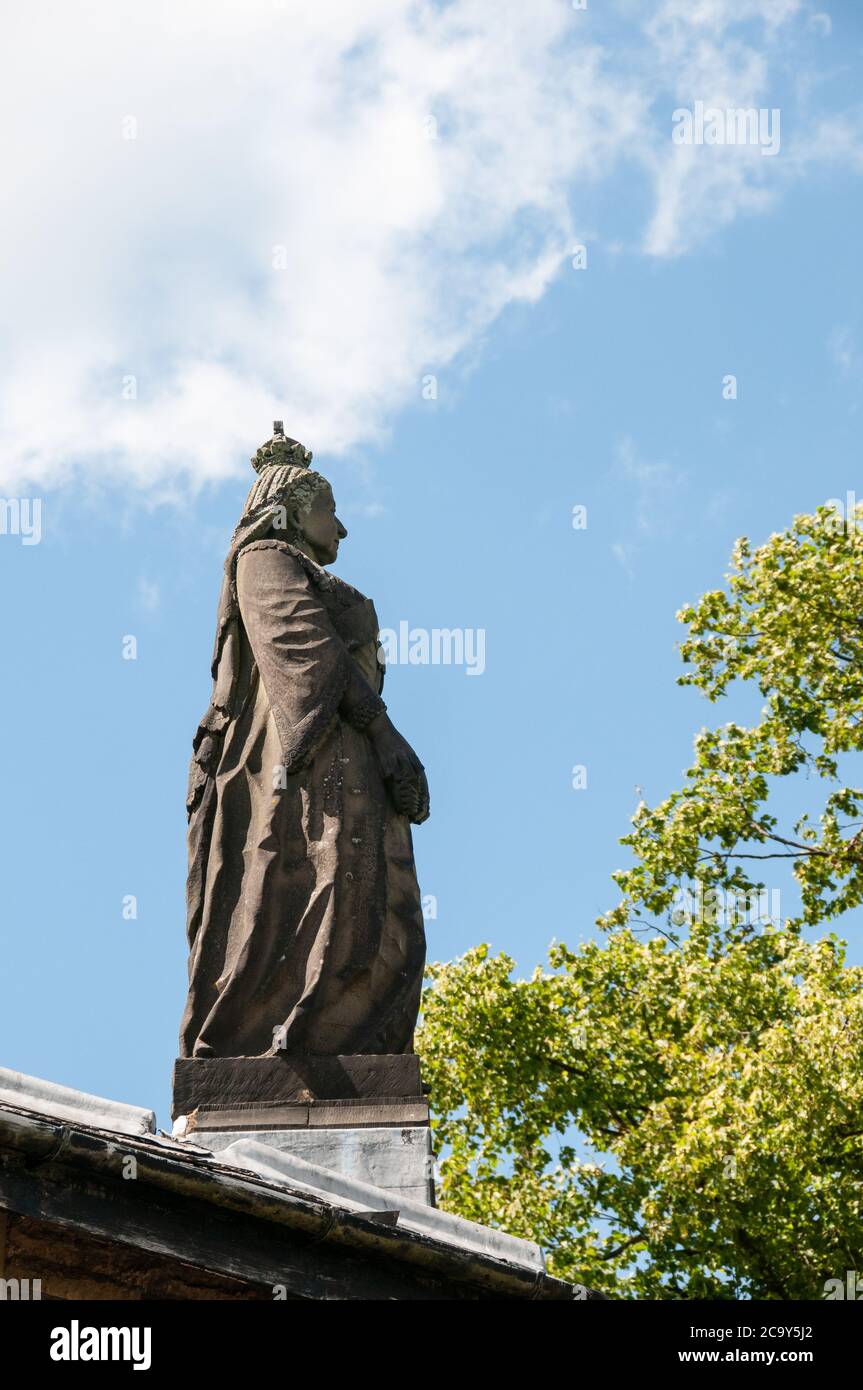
<point>321,527</point>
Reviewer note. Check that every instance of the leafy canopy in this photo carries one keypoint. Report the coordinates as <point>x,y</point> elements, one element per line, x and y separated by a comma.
<point>676,1109</point>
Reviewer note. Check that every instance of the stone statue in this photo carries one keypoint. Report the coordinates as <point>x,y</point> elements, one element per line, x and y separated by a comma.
<point>304,915</point>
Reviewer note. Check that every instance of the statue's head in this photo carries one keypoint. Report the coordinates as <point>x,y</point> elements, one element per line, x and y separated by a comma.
<point>298,501</point>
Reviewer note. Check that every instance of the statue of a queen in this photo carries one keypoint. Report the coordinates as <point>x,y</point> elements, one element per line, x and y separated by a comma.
<point>305,922</point>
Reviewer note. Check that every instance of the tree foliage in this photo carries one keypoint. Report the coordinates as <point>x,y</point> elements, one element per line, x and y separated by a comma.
<point>676,1108</point>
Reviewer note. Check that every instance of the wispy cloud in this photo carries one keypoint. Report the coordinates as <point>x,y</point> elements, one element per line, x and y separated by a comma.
<point>651,496</point>
<point>653,487</point>
<point>624,555</point>
<point>844,352</point>
<point>220,214</point>
<point>149,594</point>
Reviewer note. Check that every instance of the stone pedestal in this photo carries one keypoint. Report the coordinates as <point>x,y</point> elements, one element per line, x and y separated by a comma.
<point>212,1086</point>
<point>364,1117</point>
<point>397,1160</point>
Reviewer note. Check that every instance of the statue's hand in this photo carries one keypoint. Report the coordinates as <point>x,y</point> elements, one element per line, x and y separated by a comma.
<point>402,770</point>
<point>411,796</point>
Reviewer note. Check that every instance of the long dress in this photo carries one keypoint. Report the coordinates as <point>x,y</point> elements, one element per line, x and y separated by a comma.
<point>305,922</point>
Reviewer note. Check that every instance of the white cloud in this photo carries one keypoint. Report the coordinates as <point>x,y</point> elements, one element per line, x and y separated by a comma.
<point>654,491</point>
<point>149,594</point>
<point>654,487</point>
<point>302,133</point>
<point>703,55</point>
<point>844,352</point>
<point>624,555</point>
<point>301,128</point>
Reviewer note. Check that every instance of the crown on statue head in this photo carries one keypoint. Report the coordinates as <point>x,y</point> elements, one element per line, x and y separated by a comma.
<point>281,452</point>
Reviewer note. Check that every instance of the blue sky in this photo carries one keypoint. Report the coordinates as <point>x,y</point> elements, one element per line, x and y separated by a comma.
<point>556,387</point>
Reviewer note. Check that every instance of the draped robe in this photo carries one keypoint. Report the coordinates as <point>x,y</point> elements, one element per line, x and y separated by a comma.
<point>304,923</point>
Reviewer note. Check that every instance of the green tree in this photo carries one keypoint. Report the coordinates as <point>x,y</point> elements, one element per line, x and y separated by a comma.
<point>676,1109</point>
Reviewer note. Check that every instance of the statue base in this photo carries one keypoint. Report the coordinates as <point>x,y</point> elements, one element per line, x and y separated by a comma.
<point>299,1092</point>
<point>399,1161</point>
<point>362,1117</point>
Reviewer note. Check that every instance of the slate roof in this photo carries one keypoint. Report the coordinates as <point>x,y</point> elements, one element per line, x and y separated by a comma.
<point>249,1212</point>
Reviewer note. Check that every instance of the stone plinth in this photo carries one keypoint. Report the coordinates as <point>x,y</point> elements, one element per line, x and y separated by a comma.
<point>208,1084</point>
<point>396,1160</point>
<point>363,1117</point>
